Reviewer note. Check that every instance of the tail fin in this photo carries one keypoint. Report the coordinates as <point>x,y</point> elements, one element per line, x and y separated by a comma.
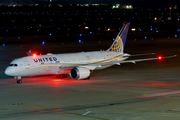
<point>119,43</point>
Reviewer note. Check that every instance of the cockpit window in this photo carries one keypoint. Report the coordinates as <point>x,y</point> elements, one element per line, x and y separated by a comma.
<point>13,65</point>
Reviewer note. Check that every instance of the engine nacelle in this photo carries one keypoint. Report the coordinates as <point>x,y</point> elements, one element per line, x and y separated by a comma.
<point>79,73</point>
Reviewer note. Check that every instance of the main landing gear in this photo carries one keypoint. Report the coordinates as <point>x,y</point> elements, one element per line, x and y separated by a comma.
<point>18,80</point>
<point>61,76</point>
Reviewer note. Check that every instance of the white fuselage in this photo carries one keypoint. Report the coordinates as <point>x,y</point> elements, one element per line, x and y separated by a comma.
<point>51,64</point>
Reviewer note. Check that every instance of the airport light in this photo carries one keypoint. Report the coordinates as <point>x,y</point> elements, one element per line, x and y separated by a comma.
<point>90,32</point>
<point>79,41</point>
<point>80,34</point>
<point>157,31</point>
<point>113,39</point>
<point>19,37</point>
<point>3,45</point>
<point>43,43</point>
<point>175,36</point>
<point>145,37</point>
<point>50,34</point>
<point>133,29</point>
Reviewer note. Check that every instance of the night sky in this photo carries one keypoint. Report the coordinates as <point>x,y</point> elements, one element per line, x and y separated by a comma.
<point>135,3</point>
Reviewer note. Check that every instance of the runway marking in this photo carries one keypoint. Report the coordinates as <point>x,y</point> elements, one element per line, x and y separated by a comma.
<point>17,103</point>
<point>159,94</point>
<point>84,115</point>
<point>86,112</point>
<point>169,111</point>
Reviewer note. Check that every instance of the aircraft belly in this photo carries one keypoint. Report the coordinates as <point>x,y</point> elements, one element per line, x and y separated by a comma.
<point>57,70</point>
<point>44,70</point>
<point>102,67</point>
<point>106,66</point>
<point>31,71</point>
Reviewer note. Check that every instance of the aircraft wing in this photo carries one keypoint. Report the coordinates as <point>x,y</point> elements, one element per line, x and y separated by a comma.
<point>129,55</point>
<point>110,63</point>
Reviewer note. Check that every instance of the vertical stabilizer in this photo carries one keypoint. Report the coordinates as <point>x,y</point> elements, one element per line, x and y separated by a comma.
<point>119,43</point>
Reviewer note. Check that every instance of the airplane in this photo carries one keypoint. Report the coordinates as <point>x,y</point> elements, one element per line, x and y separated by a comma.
<point>78,65</point>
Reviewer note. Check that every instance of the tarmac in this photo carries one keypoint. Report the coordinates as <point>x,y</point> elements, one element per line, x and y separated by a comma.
<point>142,91</point>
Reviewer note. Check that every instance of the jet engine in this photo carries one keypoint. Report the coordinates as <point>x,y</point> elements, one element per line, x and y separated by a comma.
<point>79,73</point>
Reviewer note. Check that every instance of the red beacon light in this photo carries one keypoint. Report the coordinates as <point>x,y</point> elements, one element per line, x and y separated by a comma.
<point>159,58</point>
<point>34,55</point>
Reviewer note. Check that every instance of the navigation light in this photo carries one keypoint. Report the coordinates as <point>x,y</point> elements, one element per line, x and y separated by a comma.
<point>159,58</point>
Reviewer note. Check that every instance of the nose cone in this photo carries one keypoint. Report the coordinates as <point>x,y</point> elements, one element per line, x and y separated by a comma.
<point>7,71</point>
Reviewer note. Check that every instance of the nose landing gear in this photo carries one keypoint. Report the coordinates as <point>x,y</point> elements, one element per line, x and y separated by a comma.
<point>18,79</point>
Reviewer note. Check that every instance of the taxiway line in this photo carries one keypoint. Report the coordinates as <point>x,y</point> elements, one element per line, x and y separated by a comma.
<point>169,111</point>
<point>160,94</point>
<point>64,112</point>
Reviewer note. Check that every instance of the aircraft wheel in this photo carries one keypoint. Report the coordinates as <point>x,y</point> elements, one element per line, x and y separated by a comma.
<point>64,76</point>
<point>19,81</point>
